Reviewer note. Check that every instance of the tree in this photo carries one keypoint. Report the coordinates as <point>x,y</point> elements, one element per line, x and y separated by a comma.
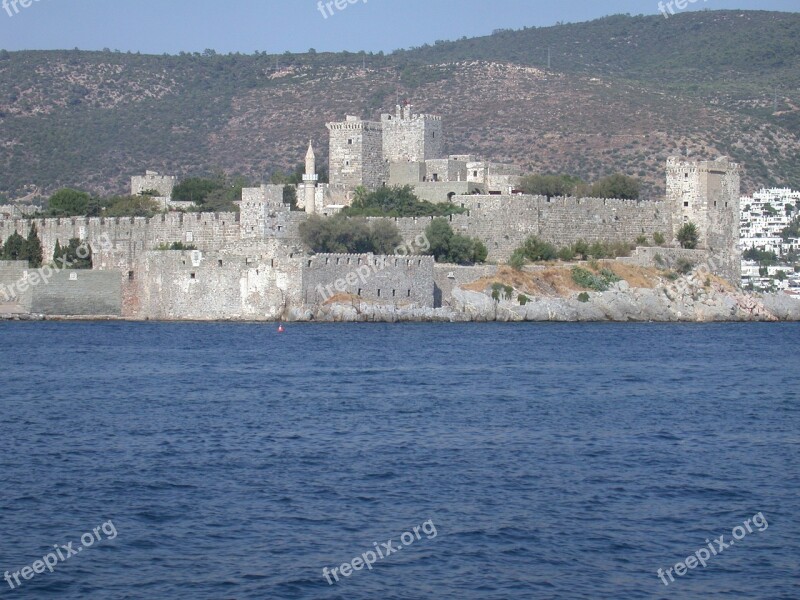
<point>196,189</point>
<point>131,206</point>
<point>33,248</point>
<point>549,185</point>
<point>75,255</point>
<point>68,203</point>
<point>439,234</point>
<point>447,246</point>
<point>385,237</point>
<point>14,248</point>
<point>340,235</point>
<point>290,196</point>
<point>617,186</point>
<point>688,236</point>
<point>397,201</point>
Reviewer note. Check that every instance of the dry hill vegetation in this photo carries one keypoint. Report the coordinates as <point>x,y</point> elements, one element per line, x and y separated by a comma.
<point>623,93</point>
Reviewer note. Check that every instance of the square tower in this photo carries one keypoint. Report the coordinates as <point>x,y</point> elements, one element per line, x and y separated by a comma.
<point>356,156</point>
<point>411,138</point>
<point>707,193</point>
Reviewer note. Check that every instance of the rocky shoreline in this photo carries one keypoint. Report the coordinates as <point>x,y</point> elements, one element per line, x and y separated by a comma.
<point>686,300</point>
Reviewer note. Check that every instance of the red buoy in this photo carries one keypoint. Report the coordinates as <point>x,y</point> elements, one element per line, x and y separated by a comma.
<point>280,328</point>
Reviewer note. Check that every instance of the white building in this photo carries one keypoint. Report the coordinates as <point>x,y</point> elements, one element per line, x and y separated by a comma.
<point>763,219</point>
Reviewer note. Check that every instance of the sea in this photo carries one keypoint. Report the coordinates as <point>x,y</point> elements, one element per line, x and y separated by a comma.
<point>347,461</point>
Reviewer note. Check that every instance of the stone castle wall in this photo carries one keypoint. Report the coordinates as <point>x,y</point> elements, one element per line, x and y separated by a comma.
<point>504,222</point>
<point>131,236</point>
<point>258,282</point>
<point>59,293</point>
<point>392,280</point>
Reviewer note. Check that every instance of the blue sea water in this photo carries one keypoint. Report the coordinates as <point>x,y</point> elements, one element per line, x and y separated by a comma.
<point>553,460</point>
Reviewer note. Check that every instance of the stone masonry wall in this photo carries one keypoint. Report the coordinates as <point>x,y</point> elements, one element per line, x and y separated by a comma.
<point>504,222</point>
<point>392,280</point>
<point>259,283</point>
<point>79,293</point>
<point>131,236</point>
<point>12,298</point>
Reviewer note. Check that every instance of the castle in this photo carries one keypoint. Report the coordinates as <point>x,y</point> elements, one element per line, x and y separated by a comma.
<point>252,264</point>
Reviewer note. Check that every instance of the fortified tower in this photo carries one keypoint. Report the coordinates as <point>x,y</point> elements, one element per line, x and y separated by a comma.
<point>411,138</point>
<point>707,193</point>
<point>356,149</point>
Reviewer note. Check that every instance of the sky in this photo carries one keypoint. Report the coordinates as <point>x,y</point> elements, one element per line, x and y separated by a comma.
<point>276,26</point>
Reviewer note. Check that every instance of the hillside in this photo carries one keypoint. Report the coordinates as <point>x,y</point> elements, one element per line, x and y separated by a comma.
<point>622,94</point>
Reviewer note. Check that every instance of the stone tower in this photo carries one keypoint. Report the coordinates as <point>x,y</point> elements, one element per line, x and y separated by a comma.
<point>356,154</point>
<point>409,137</point>
<point>707,193</point>
<point>310,181</point>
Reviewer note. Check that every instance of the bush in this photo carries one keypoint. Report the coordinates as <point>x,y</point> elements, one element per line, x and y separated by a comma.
<point>176,246</point>
<point>641,240</point>
<point>597,282</point>
<point>658,238</point>
<point>523,299</point>
<point>581,248</point>
<point>684,266</point>
<point>688,236</point>
<point>583,297</point>
<point>536,250</point>
<point>397,201</point>
<point>617,186</point>
<point>340,235</point>
<point>566,254</point>
<point>448,246</point>
<point>517,260</point>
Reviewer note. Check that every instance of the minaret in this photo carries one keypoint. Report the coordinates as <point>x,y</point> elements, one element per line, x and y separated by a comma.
<point>310,180</point>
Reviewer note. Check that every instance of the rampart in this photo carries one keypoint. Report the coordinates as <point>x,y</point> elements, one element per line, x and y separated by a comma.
<point>397,280</point>
<point>504,222</point>
<point>131,236</point>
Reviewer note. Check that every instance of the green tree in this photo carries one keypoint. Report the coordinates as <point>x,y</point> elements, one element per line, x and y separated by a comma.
<point>439,234</point>
<point>196,189</point>
<point>385,237</point>
<point>397,201</point>
<point>617,186</point>
<point>68,203</point>
<point>33,248</point>
<point>447,246</point>
<point>688,236</point>
<point>535,249</point>
<point>131,206</point>
<point>549,185</point>
<point>75,255</point>
<point>340,235</point>
<point>14,248</point>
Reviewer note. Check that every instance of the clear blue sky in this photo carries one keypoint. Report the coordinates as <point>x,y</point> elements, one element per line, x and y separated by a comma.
<point>158,26</point>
